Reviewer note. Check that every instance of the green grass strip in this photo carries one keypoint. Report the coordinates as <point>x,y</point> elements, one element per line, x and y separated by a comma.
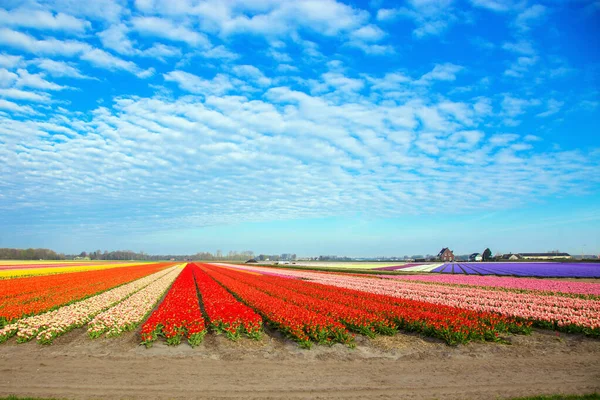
<point>593,396</point>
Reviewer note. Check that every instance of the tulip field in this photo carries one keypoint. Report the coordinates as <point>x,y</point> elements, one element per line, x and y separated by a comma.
<point>172,302</point>
<point>537,269</point>
<point>19,269</point>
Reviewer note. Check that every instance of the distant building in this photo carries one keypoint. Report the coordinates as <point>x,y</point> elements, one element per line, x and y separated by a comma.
<point>445,255</point>
<point>475,257</point>
<point>510,257</point>
<point>545,256</point>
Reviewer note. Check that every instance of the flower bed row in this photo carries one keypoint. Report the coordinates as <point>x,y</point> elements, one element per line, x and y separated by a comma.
<point>556,312</point>
<point>299,323</point>
<point>46,327</point>
<point>545,286</point>
<point>33,270</point>
<point>225,313</point>
<point>127,315</point>
<point>179,314</point>
<point>21,297</point>
<point>371,313</point>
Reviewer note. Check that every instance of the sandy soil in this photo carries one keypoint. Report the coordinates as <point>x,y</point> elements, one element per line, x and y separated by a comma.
<point>402,366</point>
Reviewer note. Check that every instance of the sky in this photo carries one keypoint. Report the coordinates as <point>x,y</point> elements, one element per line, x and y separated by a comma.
<point>359,128</point>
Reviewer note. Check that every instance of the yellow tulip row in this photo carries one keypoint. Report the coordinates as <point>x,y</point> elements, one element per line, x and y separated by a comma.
<point>21,272</point>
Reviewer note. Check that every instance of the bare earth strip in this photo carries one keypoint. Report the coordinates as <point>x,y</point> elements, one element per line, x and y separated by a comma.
<point>403,366</point>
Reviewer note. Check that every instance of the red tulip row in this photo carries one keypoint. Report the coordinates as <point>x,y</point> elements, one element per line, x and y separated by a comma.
<point>368,313</point>
<point>356,320</point>
<point>298,322</point>
<point>225,313</point>
<point>178,315</point>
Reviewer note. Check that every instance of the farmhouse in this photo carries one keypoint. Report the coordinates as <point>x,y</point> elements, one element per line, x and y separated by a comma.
<point>511,257</point>
<point>475,257</point>
<point>445,255</point>
<point>545,256</point>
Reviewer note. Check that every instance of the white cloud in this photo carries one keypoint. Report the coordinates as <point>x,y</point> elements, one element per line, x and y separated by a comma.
<point>145,74</point>
<point>220,52</point>
<point>366,37</point>
<point>372,49</point>
<point>59,68</point>
<point>387,14</point>
<point>529,16</point>
<point>164,28</point>
<point>42,20</point>
<point>431,17</point>
<point>116,38</point>
<point>279,56</point>
<point>50,46</point>
<point>521,47</point>
<point>494,5</point>
<point>98,10</point>
<point>341,82</point>
<point>287,68</point>
<point>513,106</point>
<point>219,85</point>
<point>251,72</point>
<point>35,81</point>
<point>503,139</point>
<point>10,61</point>
<point>7,78</point>
<point>269,18</point>
<point>441,72</point>
<point>483,107</point>
<point>18,94</point>
<point>14,107</point>
<point>160,51</point>
<point>553,106</point>
<point>368,33</point>
<point>520,66</point>
<point>532,138</point>
<point>102,59</point>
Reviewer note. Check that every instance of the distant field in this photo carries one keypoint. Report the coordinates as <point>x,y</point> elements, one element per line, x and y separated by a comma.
<point>349,265</point>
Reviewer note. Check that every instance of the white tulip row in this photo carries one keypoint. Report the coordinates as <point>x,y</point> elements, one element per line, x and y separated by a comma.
<point>421,268</point>
<point>128,314</point>
<point>46,327</point>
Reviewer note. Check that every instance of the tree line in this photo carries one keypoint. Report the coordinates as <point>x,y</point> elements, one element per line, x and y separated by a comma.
<point>47,254</point>
<point>30,254</point>
<point>142,256</point>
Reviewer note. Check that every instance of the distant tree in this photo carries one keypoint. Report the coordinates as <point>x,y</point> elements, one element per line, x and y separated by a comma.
<point>29,254</point>
<point>487,254</point>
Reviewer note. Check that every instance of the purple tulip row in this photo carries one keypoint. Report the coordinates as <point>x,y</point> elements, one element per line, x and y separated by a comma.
<point>539,269</point>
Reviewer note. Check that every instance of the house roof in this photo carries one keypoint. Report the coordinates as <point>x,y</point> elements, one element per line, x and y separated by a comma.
<point>443,250</point>
<point>507,256</point>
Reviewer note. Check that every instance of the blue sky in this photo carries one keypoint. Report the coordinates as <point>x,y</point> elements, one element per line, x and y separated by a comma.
<point>314,127</point>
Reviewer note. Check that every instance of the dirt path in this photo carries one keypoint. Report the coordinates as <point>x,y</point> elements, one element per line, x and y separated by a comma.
<point>403,366</point>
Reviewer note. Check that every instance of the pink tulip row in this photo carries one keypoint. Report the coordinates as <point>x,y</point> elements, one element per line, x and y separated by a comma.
<point>126,315</point>
<point>568,313</point>
<point>544,285</point>
<point>46,327</point>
